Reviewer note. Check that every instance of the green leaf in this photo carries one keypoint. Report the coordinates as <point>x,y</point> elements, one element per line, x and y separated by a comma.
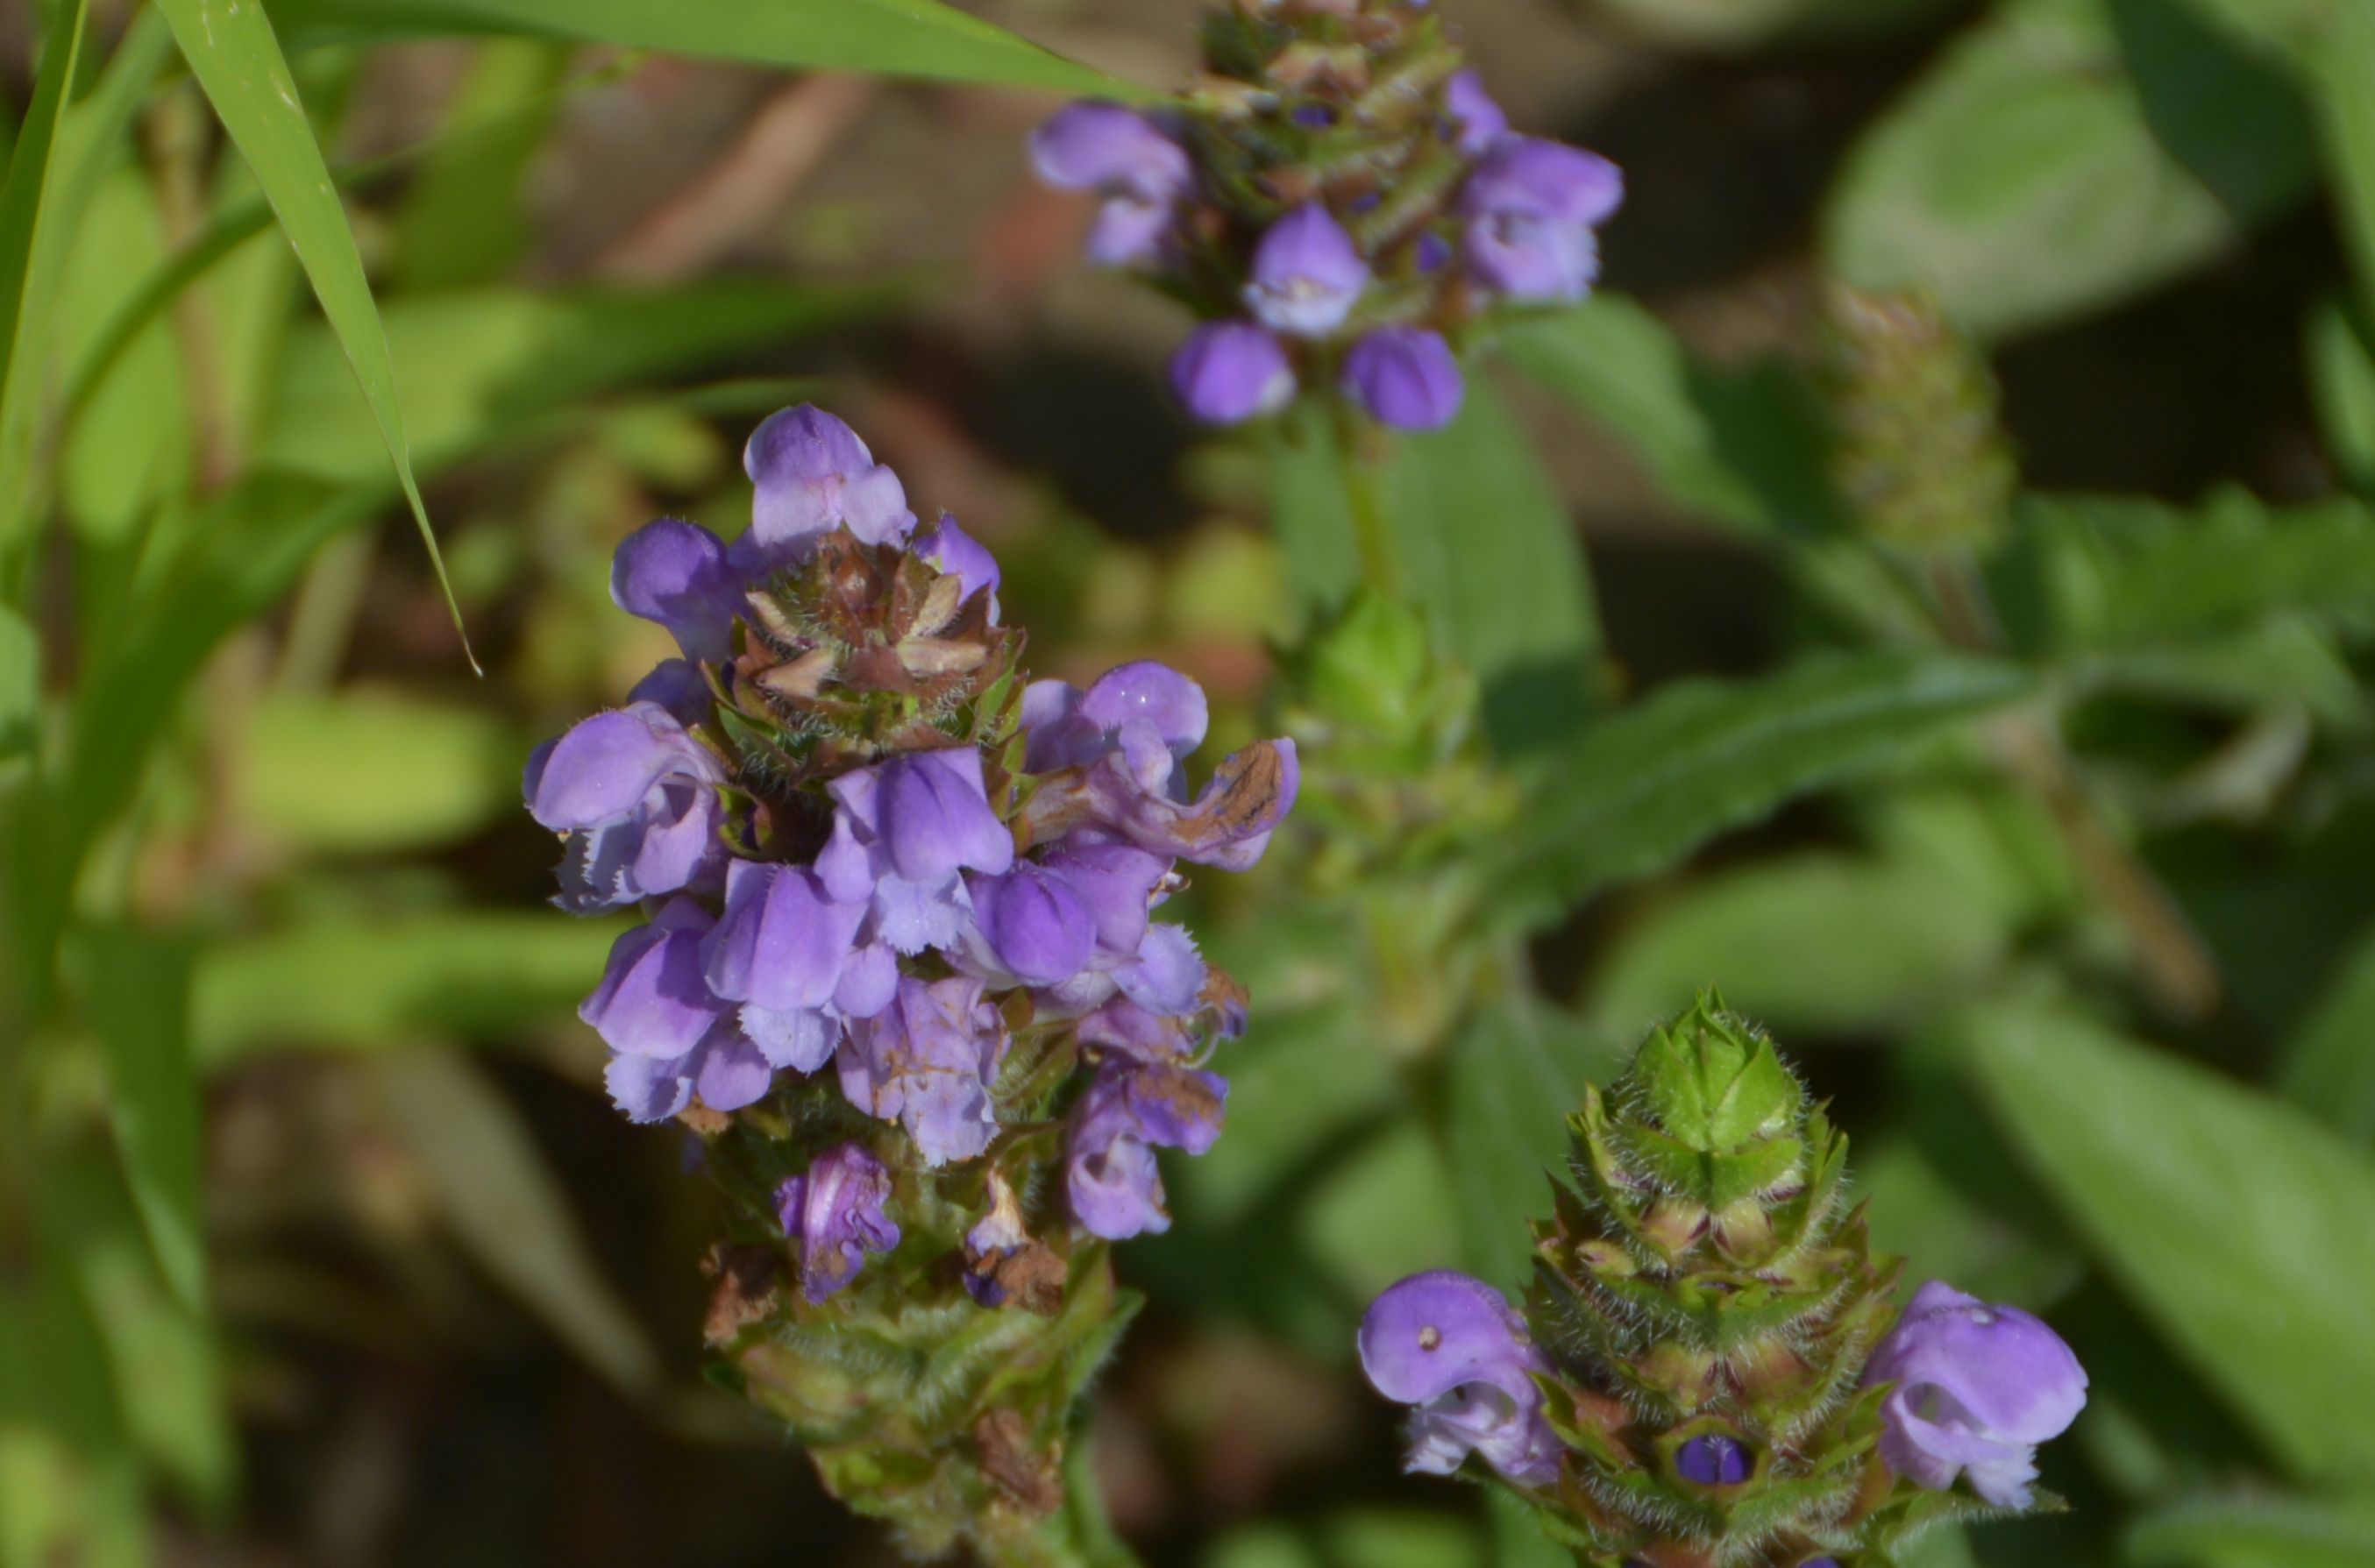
<point>2029,177</point>
<point>2342,64</point>
<point>1384,1211</point>
<point>907,38</point>
<point>20,683</point>
<point>366,986</point>
<point>508,1211</point>
<point>1488,549</point>
<point>2244,1229</point>
<point>237,60</point>
<point>2329,1067</point>
<point>135,989</point>
<point>463,221</point>
<point>2342,389</point>
<point>1309,509</point>
<point>1514,1072</point>
<point>30,218</point>
<point>1640,790</point>
<point>2256,1532</point>
<point>365,771</point>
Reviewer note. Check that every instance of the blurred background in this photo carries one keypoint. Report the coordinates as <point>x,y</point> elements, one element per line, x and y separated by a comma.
<point>2096,997</point>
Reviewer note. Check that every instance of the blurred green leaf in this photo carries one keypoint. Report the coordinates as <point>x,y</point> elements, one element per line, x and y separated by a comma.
<point>367,986</point>
<point>1488,548</point>
<point>2328,1070</point>
<point>1384,1211</point>
<point>2240,1227</point>
<point>1515,1073</point>
<point>33,211</point>
<point>907,38</point>
<point>369,770</point>
<point>463,220</point>
<point>1641,789</point>
<point>135,989</point>
<point>1366,1538</point>
<point>2255,1532</point>
<point>480,365</point>
<point>2343,68</point>
<point>1308,507</point>
<point>2030,176</point>
<point>237,60</point>
<point>2342,388</point>
<point>20,683</point>
<point>506,1209</point>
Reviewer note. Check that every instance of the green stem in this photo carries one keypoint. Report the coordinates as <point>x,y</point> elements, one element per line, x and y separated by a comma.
<point>1361,452</point>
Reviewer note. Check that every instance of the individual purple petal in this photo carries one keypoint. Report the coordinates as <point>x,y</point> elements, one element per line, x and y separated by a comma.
<point>1128,232</point>
<point>1477,121</point>
<point>813,475</point>
<point>1978,1387</point>
<point>868,982</point>
<point>678,687</point>
<point>1227,825</point>
<point>1153,692</point>
<point>601,770</point>
<point>1713,1459</point>
<point>675,574</point>
<point>1306,275</point>
<point>1451,1346</point>
<point>782,942</point>
<point>1229,372</point>
<point>925,1061</point>
<point>835,1210</point>
<point>934,816</point>
<point>1129,1110</point>
<point>648,1088</point>
<point>1038,927</point>
<point>732,1071</point>
<point>653,1000</point>
<point>1117,883</point>
<point>1406,377</point>
<point>1110,149</point>
<point>1166,977</point>
<point>1526,258</point>
<point>1544,179</point>
<point>960,555</point>
<point>801,1039</point>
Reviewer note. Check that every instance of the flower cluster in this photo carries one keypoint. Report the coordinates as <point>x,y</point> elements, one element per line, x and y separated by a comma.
<point>867,842</point>
<point>1705,1383</point>
<point>1340,201</point>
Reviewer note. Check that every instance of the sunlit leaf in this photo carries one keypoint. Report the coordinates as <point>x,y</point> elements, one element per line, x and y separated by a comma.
<point>237,60</point>
<point>908,38</point>
<point>20,683</point>
<point>2341,385</point>
<point>2244,1229</point>
<point>135,989</point>
<point>366,771</point>
<point>464,220</point>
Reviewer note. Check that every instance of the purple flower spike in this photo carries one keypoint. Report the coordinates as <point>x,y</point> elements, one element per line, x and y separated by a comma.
<point>1306,275</point>
<point>1714,1460</point>
<point>1038,925</point>
<point>835,1211</point>
<point>637,797</point>
<point>926,1061</point>
<point>1406,377</point>
<point>1127,1111</point>
<point>677,575</point>
<point>1977,1388</point>
<point>960,555</point>
<point>1450,1345</point>
<point>1129,160</point>
<point>813,475</point>
<point>1477,121</point>
<point>1229,372</point>
<point>1544,179</point>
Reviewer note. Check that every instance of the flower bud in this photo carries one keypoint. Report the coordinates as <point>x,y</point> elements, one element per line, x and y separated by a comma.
<point>1229,372</point>
<point>1406,377</point>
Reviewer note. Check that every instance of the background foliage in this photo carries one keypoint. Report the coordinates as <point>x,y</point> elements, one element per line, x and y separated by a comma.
<point>2045,841</point>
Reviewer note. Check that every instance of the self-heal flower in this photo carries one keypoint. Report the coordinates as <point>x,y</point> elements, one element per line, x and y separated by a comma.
<point>960,555</point>
<point>1126,158</point>
<point>1229,372</point>
<point>1452,1346</point>
<point>1531,206</point>
<point>904,829</point>
<point>1128,1110</point>
<point>677,575</point>
<point>1406,377</point>
<point>1978,1387</point>
<point>671,1036</point>
<point>637,796</point>
<point>813,475</point>
<point>835,1211</point>
<point>1307,275</point>
<point>1713,1459</point>
<point>926,1061</point>
<point>1477,122</point>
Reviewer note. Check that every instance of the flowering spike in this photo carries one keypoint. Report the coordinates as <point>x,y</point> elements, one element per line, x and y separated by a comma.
<point>1705,1338</point>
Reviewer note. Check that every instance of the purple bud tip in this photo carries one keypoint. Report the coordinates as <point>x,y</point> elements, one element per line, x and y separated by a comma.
<point>1713,1460</point>
<point>1229,372</point>
<point>1406,377</point>
<point>1306,275</point>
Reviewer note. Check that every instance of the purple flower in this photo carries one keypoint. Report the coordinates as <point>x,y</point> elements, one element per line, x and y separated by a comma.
<point>1126,158</point>
<point>926,1061</point>
<point>1069,727</point>
<point>960,555</point>
<point>904,829</point>
<point>1523,257</point>
<point>677,575</point>
<point>638,797</point>
<point>1451,1346</point>
<point>672,1034</point>
<point>1978,1387</point>
<point>812,476</point>
<point>1229,372</point>
<point>996,1236</point>
<point>1544,179</point>
<point>1038,927</point>
<point>1477,121</point>
<point>1714,1459</point>
<point>1406,377</point>
<point>676,686</point>
<point>1126,1111</point>
<point>786,950</point>
<point>1306,275</point>
<point>835,1210</point>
